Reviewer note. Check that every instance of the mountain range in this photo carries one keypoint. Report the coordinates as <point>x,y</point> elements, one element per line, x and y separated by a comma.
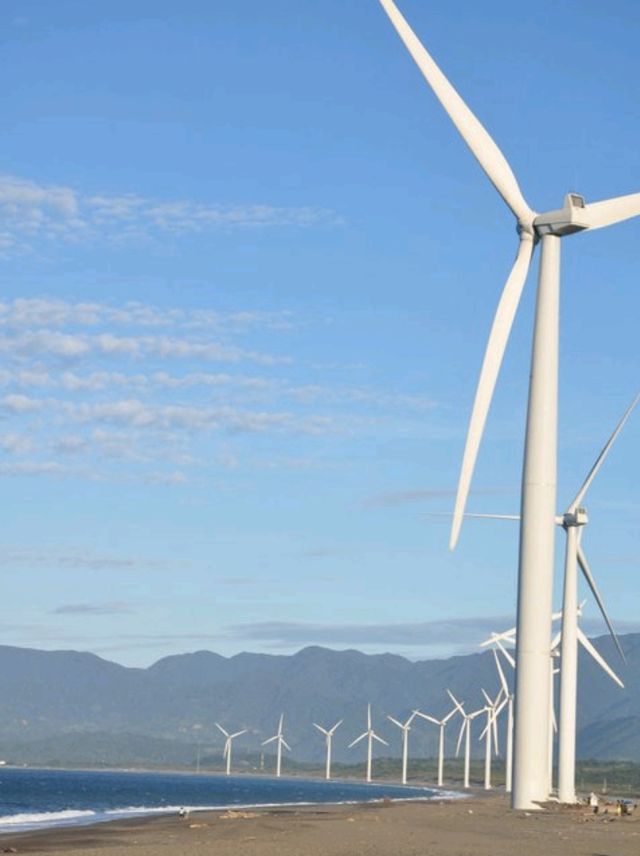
<point>71,707</point>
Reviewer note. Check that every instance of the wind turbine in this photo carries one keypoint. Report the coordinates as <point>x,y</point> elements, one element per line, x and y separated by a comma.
<point>492,709</point>
<point>227,744</point>
<point>441,723</point>
<point>281,742</point>
<point>371,736</point>
<point>465,730</point>
<point>508,761</point>
<point>573,522</point>
<point>497,640</point>
<point>328,733</point>
<point>537,531</point>
<point>405,727</point>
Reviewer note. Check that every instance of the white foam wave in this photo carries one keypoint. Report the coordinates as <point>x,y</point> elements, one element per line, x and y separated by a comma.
<point>46,817</point>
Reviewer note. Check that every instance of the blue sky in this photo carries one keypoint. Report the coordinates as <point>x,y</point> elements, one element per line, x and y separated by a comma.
<point>247,275</point>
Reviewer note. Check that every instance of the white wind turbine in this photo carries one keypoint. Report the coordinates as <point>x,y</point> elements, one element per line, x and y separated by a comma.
<point>227,744</point>
<point>508,761</point>
<point>281,742</point>
<point>537,531</point>
<point>405,727</point>
<point>328,733</point>
<point>573,522</point>
<point>465,730</point>
<point>509,636</point>
<point>441,723</point>
<point>371,736</point>
<point>490,733</point>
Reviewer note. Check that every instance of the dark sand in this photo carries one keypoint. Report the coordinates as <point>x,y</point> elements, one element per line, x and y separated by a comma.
<point>478,826</point>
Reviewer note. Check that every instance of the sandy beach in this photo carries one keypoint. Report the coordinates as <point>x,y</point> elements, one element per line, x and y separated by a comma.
<point>477,826</point>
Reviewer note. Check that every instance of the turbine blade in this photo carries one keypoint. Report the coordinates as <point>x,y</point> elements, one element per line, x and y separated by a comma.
<point>486,697</point>
<point>507,654</point>
<point>603,454</point>
<point>226,750</point>
<point>320,728</point>
<point>586,570</point>
<point>495,637</point>
<point>458,704</point>
<point>452,712</point>
<point>591,649</point>
<point>474,515</point>
<point>237,734</point>
<point>270,740</point>
<point>379,739</point>
<point>500,330</point>
<point>610,211</point>
<point>226,733</point>
<point>427,717</point>
<point>465,724</point>
<point>358,739</point>
<point>285,744</point>
<point>395,722</point>
<point>486,152</point>
<point>503,680</point>
<point>337,725</point>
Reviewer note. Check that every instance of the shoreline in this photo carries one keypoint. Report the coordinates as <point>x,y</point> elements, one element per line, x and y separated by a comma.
<point>336,792</point>
<point>478,826</point>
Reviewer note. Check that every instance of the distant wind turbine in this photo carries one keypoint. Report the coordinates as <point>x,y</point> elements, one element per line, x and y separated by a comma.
<point>573,522</point>
<point>371,736</point>
<point>281,742</point>
<point>227,744</point>
<point>328,733</point>
<point>405,727</point>
<point>492,709</point>
<point>441,723</point>
<point>465,731</point>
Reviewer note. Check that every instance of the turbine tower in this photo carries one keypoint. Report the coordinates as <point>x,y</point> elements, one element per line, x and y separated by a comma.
<point>328,733</point>
<point>465,730</point>
<point>371,736</point>
<point>405,727</point>
<point>492,709</point>
<point>441,723</point>
<point>227,744</point>
<point>281,742</point>
<point>537,527</point>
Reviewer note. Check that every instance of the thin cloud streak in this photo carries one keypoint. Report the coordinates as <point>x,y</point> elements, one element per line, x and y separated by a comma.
<point>454,631</point>
<point>32,212</point>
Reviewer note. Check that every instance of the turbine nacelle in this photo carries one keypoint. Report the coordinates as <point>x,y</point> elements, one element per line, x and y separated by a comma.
<point>572,217</point>
<point>577,517</point>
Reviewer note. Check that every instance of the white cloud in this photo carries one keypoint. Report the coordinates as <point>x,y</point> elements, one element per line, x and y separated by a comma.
<point>74,346</point>
<point>16,403</point>
<point>33,211</point>
<point>16,444</point>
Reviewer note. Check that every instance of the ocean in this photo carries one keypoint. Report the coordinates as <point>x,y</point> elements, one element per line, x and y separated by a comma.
<point>34,799</point>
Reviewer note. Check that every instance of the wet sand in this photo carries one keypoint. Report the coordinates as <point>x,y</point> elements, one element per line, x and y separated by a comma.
<point>477,826</point>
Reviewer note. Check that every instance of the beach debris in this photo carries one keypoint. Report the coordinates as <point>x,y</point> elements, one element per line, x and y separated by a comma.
<point>198,825</point>
<point>10,850</point>
<point>238,815</point>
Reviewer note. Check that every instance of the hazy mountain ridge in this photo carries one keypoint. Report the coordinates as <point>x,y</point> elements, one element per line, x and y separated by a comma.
<point>62,700</point>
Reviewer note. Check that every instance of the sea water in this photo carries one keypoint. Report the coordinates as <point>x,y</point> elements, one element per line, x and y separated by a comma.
<point>34,799</point>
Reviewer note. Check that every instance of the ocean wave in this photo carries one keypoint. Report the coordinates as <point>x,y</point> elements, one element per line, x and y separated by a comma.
<point>49,818</point>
